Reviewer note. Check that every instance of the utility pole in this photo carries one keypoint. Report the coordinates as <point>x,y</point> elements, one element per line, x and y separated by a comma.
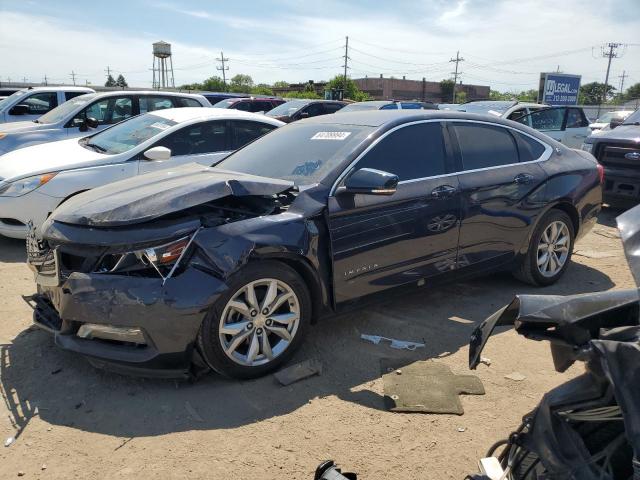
<point>611,54</point>
<point>457,60</point>
<point>622,77</point>
<point>223,68</point>
<point>46,81</point>
<point>108,72</point>
<point>346,59</point>
<point>24,79</point>
<point>73,77</point>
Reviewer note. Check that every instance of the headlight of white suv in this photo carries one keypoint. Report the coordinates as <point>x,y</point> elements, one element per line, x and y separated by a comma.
<point>587,147</point>
<point>24,186</point>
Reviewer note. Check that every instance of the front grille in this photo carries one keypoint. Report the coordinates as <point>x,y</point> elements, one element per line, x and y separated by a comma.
<point>613,155</point>
<point>40,256</point>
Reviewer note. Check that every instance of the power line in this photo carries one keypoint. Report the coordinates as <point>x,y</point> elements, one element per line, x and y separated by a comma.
<point>457,60</point>
<point>223,68</point>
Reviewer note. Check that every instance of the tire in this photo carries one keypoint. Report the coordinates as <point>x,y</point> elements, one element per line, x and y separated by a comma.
<point>529,271</point>
<point>233,334</point>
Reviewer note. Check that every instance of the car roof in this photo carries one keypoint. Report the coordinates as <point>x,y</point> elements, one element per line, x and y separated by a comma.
<point>56,89</point>
<point>147,93</point>
<point>391,118</point>
<point>186,114</point>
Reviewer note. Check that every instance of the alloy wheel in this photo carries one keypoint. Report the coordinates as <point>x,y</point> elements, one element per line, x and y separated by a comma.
<point>553,248</point>
<point>259,322</point>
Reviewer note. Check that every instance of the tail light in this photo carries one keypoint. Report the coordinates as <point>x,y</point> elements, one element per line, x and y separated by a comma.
<point>601,174</point>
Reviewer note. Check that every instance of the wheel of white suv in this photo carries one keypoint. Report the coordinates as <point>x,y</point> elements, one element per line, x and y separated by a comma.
<point>549,250</point>
<point>258,323</point>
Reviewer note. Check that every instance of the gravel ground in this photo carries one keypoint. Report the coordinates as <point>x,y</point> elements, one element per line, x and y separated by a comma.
<point>73,421</point>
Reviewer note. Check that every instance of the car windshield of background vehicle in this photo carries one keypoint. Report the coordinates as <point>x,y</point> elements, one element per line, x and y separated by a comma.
<point>226,103</point>
<point>287,109</point>
<point>127,135</point>
<point>9,100</point>
<point>496,108</point>
<point>633,119</point>
<point>301,153</point>
<point>63,111</point>
<point>357,107</point>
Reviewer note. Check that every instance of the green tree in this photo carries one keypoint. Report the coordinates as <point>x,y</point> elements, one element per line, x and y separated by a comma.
<point>121,82</point>
<point>632,92</point>
<point>349,88</point>
<point>496,95</point>
<point>110,81</point>
<point>446,89</point>
<point>461,97</point>
<point>528,96</point>
<point>213,84</point>
<point>280,84</point>
<point>303,94</point>
<point>591,93</point>
<point>262,89</point>
<point>241,84</point>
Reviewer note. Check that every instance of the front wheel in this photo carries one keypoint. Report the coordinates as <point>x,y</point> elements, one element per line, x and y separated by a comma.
<point>549,250</point>
<point>258,323</point>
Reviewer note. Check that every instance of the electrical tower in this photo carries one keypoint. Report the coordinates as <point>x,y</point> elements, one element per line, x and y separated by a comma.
<point>223,68</point>
<point>610,55</point>
<point>457,60</point>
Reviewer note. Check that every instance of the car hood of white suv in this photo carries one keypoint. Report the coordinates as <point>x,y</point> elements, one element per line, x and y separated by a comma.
<point>20,127</point>
<point>50,157</point>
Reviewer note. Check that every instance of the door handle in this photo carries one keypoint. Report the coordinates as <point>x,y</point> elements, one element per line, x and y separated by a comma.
<point>579,136</point>
<point>523,178</point>
<point>443,191</point>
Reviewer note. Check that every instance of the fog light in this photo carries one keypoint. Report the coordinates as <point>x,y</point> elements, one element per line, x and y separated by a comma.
<point>109,332</point>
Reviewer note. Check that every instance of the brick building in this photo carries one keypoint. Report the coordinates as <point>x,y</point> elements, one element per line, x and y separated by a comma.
<point>402,89</point>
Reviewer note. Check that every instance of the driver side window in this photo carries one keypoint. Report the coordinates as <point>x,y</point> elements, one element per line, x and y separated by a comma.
<point>411,152</point>
<point>197,139</point>
<point>107,111</point>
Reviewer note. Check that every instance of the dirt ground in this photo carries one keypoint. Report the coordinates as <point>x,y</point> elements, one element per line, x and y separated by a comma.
<point>73,421</point>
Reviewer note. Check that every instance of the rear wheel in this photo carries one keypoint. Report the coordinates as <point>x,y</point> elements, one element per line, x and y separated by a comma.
<point>258,323</point>
<point>549,251</point>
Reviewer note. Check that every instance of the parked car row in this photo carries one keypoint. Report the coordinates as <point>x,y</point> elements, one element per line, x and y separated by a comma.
<point>226,261</point>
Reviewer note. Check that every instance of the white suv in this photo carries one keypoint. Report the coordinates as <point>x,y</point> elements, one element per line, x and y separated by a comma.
<point>90,113</point>
<point>30,103</point>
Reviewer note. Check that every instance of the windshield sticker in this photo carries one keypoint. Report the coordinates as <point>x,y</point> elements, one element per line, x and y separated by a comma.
<point>330,135</point>
<point>160,125</point>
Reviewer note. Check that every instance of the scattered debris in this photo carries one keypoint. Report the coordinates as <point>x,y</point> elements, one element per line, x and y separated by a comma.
<point>486,361</point>
<point>399,344</point>
<point>425,387</point>
<point>78,405</point>
<point>20,473</point>
<point>515,376</point>
<point>192,411</point>
<point>9,441</point>
<point>462,429</point>
<point>299,371</point>
<point>595,254</point>
<point>56,371</point>
<point>123,444</point>
<point>36,412</point>
<point>48,429</point>
<point>606,233</point>
<point>43,467</point>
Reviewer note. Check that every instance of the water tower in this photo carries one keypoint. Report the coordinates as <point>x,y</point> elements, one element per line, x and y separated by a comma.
<point>162,65</point>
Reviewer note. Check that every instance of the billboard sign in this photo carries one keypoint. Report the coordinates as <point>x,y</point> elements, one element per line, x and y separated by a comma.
<point>559,89</point>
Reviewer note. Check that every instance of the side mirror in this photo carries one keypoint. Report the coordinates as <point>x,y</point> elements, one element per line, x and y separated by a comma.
<point>158,153</point>
<point>87,123</point>
<point>304,115</point>
<point>616,122</point>
<point>369,181</point>
<point>19,109</point>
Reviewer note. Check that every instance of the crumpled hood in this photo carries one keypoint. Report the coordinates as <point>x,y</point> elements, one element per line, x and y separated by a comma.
<point>623,132</point>
<point>49,157</point>
<point>146,197</point>
<point>20,127</point>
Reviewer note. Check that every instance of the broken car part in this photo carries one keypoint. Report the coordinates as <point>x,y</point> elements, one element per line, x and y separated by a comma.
<point>393,343</point>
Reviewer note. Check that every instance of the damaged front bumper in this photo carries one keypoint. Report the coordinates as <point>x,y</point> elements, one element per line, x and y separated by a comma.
<point>128,324</point>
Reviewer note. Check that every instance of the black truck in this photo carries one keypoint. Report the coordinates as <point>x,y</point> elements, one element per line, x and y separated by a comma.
<point>618,151</point>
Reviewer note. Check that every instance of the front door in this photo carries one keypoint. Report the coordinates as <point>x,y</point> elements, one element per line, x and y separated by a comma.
<point>502,188</point>
<point>379,242</point>
<point>107,111</point>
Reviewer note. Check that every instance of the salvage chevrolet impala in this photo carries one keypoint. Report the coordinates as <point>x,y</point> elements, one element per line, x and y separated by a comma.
<point>229,265</point>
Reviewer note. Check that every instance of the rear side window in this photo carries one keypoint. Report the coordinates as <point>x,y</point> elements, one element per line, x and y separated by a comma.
<point>41,103</point>
<point>332,107</point>
<point>389,106</point>
<point>484,146</point>
<point>197,139</point>
<point>576,118</point>
<point>149,104</point>
<point>70,95</point>
<point>188,102</point>
<point>245,131</point>
<point>411,152</point>
<point>244,106</point>
<point>410,106</point>
<point>528,148</point>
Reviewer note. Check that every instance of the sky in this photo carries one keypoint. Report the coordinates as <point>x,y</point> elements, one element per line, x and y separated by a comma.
<point>504,43</point>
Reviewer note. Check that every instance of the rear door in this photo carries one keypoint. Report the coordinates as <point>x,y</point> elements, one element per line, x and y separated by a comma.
<point>576,128</point>
<point>378,241</point>
<point>206,143</point>
<point>568,125</point>
<point>502,188</point>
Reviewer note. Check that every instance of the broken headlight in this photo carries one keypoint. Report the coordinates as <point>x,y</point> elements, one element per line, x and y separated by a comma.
<point>163,259</point>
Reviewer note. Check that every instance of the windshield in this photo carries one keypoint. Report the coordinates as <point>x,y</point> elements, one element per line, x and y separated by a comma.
<point>63,111</point>
<point>356,107</point>
<point>607,117</point>
<point>496,108</point>
<point>633,119</point>
<point>128,134</point>
<point>10,99</point>
<point>287,109</point>
<point>226,103</point>
<point>301,153</point>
